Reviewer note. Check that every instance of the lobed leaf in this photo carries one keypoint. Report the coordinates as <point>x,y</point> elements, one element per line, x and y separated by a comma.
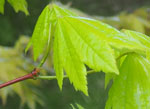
<point>41,34</point>
<point>116,39</point>
<point>58,57</point>
<point>69,59</point>
<point>79,41</point>
<point>96,53</point>
<point>19,5</point>
<point>142,38</point>
<point>130,90</point>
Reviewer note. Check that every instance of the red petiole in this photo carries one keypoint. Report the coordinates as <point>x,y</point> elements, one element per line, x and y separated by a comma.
<point>32,75</point>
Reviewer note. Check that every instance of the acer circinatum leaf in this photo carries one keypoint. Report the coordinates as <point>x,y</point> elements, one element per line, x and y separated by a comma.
<point>96,53</point>
<point>41,35</point>
<point>2,2</point>
<point>116,38</point>
<point>130,90</point>
<point>19,5</point>
<point>69,59</point>
<point>58,56</point>
<point>79,41</point>
<point>44,28</point>
<point>142,38</point>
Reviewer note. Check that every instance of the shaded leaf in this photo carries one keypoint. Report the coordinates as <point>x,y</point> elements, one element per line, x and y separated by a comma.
<point>19,5</point>
<point>13,64</point>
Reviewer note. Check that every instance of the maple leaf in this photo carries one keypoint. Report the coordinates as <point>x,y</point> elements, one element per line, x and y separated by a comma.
<point>130,90</point>
<point>78,41</point>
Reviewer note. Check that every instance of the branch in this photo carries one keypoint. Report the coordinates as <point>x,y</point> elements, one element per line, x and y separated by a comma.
<point>31,75</point>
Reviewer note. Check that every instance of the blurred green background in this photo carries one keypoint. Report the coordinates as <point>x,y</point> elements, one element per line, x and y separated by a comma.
<point>129,14</point>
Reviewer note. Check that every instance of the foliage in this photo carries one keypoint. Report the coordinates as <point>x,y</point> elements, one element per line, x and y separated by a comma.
<point>137,20</point>
<point>14,64</point>
<point>79,41</point>
<point>18,5</point>
<point>130,90</point>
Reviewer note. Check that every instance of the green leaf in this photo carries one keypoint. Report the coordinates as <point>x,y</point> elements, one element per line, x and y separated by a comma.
<point>48,16</point>
<point>79,41</point>
<point>130,90</point>
<point>148,55</point>
<point>96,53</point>
<point>58,58</point>
<point>42,33</point>
<point>61,12</point>
<point>19,5</point>
<point>141,38</point>
<point>77,105</point>
<point>45,27</point>
<point>108,77</point>
<point>69,59</point>
<point>115,38</point>
<point>2,2</point>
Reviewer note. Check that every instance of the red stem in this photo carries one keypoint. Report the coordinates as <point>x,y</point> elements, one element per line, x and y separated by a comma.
<point>33,74</point>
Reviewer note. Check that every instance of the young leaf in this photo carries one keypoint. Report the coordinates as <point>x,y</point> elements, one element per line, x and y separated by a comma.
<point>79,41</point>
<point>2,2</point>
<point>19,5</point>
<point>115,38</point>
<point>44,26</point>
<point>130,90</point>
<point>58,57</point>
<point>61,12</point>
<point>68,57</point>
<point>96,53</point>
<point>142,38</point>
<point>41,34</point>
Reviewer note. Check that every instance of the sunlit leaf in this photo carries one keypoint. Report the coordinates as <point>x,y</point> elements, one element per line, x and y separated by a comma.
<point>41,33</point>
<point>79,41</point>
<point>96,53</point>
<point>73,66</point>
<point>115,38</point>
<point>142,38</point>
<point>130,90</point>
